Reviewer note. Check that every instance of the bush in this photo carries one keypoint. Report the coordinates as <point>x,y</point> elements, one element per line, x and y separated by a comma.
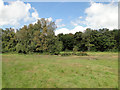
<point>75,49</point>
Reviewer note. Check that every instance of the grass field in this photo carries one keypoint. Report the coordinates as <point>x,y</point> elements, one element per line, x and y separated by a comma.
<point>98,70</point>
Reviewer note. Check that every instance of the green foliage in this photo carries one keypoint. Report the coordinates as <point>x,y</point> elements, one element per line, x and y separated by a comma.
<point>75,49</point>
<point>55,46</point>
<point>40,38</point>
<point>68,41</point>
<point>8,40</point>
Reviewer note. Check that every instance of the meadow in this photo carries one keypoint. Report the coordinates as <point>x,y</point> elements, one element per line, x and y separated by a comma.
<point>98,70</point>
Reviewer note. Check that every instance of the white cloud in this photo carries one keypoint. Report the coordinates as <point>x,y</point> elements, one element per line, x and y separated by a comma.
<point>77,29</point>
<point>35,14</point>
<point>77,21</point>
<point>50,19</point>
<point>58,20</point>
<point>58,23</point>
<point>80,17</point>
<point>16,12</point>
<point>73,31</point>
<point>99,15</point>
<point>102,16</point>
<point>74,23</point>
<point>62,30</point>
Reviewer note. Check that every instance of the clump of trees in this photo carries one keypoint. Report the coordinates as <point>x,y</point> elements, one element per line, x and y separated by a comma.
<point>91,40</point>
<point>40,38</point>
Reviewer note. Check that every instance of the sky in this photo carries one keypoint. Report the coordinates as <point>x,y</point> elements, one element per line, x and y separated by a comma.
<point>70,17</point>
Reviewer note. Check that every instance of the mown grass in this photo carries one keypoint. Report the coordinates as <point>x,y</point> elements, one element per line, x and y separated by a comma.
<point>98,70</point>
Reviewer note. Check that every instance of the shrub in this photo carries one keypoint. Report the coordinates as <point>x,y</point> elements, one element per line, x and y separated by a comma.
<point>75,49</point>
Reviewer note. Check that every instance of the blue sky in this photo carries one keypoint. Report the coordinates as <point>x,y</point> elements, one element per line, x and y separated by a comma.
<point>67,11</point>
<point>70,15</point>
<point>60,10</point>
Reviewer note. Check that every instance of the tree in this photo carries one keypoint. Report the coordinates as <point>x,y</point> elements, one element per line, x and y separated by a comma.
<point>87,38</point>
<point>78,41</point>
<point>8,40</point>
<point>104,40</point>
<point>40,37</point>
<point>55,46</point>
<point>35,38</point>
<point>75,49</point>
<point>68,41</point>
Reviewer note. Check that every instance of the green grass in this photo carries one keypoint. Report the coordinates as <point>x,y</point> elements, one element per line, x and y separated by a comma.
<point>98,70</point>
<point>0,71</point>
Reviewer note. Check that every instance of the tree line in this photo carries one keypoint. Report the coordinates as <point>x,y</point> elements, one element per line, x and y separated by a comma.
<point>40,38</point>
